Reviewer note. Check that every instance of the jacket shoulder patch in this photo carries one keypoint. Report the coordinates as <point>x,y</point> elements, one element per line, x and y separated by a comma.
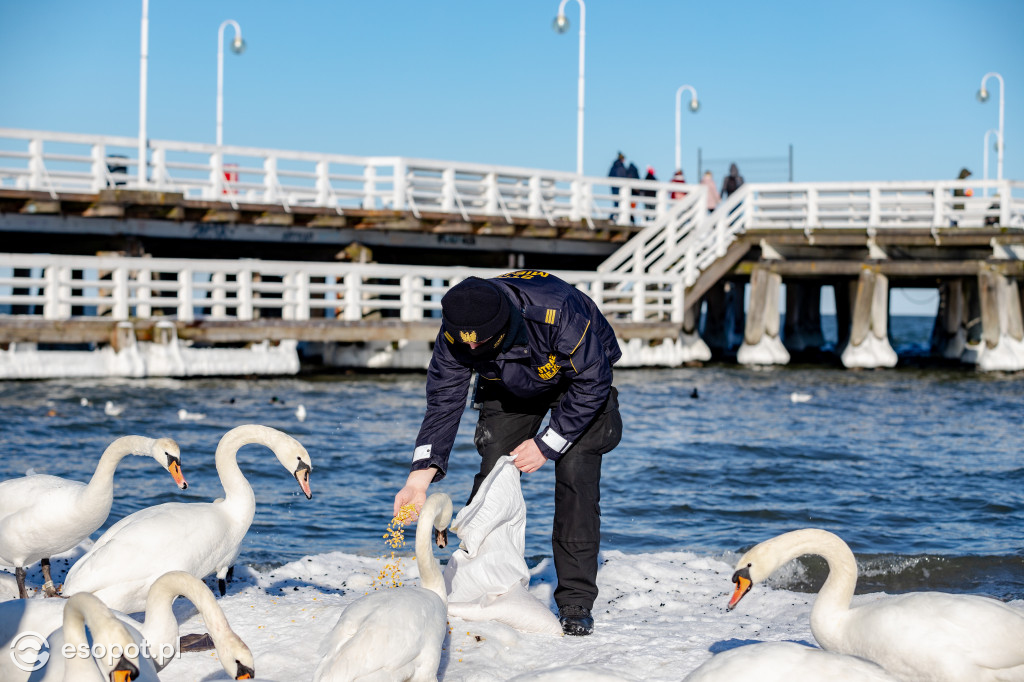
<point>536,313</point>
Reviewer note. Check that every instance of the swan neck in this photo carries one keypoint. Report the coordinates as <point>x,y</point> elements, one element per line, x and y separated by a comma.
<point>101,485</point>
<point>431,577</point>
<point>81,609</point>
<point>161,627</point>
<point>236,486</point>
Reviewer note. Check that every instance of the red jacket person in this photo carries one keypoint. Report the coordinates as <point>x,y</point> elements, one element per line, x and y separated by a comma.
<point>538,345</point>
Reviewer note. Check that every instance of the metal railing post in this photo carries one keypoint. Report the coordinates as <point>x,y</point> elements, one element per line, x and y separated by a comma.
<point>536,205</point>
<point>216,176</point>
<point>270,184</point>
<point>398,186</point>
<point>353,295</point>
<point>576,210</point>
<point>323,184</point>
<point>143,294</point>
<point>491,194</point>
<point>369,187</point>
<point>99,167</point>
<point>218,309</point>
<point>244,309</point>
<point>159,175</point>
<point>186,295</point>
<point>36,165</point>
<point>448,190</point>
<point>119,278</point>
<point>874,207</point>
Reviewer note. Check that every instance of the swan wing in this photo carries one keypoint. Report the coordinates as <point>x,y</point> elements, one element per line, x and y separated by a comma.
<point>39,517</point>
<point>132,554</point>
<point>920,631</point>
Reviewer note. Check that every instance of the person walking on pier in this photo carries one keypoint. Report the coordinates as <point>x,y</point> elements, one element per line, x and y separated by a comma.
<point>713,198</point>
<point>537,344</point>
<point>618,170</point>
<point>733,181</point>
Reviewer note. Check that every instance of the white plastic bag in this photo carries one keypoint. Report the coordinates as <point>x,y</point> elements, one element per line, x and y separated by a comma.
<point>487,577</point>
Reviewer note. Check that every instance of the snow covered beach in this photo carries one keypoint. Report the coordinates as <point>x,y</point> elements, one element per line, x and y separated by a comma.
<point>659,616</point>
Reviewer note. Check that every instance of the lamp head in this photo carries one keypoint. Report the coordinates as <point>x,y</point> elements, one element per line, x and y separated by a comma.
<point>983,95</point>
<point>560,24</point>
<point>694,105</point>
<point>238,45</point>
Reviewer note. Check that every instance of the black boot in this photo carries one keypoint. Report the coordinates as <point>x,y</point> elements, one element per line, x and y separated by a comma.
<point>575,619</point>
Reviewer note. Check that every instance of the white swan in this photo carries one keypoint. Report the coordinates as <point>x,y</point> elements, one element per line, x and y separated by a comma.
<point>917,636</point>
<point>395,634</point>
<point>199,538</point>
<point>117,658</point>
<point>159,629</point>
<point>44,515</point>
<point>786,662</point>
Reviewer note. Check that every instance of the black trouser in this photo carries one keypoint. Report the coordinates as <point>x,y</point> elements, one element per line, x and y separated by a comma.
<point>505,422</point>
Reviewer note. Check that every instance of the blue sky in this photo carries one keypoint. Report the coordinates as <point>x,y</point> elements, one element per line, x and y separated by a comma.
<point>863,91</point>
<point>873,90</point>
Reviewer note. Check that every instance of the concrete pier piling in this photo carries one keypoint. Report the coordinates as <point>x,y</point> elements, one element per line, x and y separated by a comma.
<point>1002,335</point>
<point>869,346</point>
<point>761,342</point>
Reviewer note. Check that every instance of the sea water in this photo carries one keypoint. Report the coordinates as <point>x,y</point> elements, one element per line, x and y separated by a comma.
<point>919,468</point>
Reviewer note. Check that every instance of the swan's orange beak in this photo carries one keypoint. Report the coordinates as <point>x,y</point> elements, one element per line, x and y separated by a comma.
<point>244,676</point>
<point>175,468</point>
<point>743,584</point>
<point>121,676</point>
<point>302,476</point>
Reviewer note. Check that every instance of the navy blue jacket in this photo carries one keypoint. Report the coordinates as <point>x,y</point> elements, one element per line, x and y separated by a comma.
<point>567,345</point>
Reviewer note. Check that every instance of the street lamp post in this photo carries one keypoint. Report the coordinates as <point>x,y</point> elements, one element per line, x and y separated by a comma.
<point>561,25</point>
<point>143,68</point>
<point>694,106</point>
<point>238,47</point>
<point>990,131</point>
<point>982,97</point>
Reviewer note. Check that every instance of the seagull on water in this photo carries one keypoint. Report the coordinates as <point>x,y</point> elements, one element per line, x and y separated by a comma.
<point>795,397</point>
<point>300,413</point>
<point>186,416</point>
<point>112,410</point>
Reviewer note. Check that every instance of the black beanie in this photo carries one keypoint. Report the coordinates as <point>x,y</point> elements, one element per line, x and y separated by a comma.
<point>474,310</point>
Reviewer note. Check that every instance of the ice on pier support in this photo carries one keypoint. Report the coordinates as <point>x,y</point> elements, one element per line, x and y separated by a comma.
<point>691,346</point>
<point>761,342</point>
<point>377,354</point>
<point>165,356</point>
<point>802,330</point>
<point>868,345</point>
<point>1002,336</point>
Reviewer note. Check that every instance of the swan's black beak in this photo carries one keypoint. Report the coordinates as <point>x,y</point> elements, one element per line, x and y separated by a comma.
<point>743,584</point>
<point>302,476</point>
<point>441,537</point>
<point>244,671</point>
<point>174,466</point>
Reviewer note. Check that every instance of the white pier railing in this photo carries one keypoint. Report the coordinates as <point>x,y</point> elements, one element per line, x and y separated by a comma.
<point>678,243</point>
<point>69,163</point>
<point>51,287</point>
